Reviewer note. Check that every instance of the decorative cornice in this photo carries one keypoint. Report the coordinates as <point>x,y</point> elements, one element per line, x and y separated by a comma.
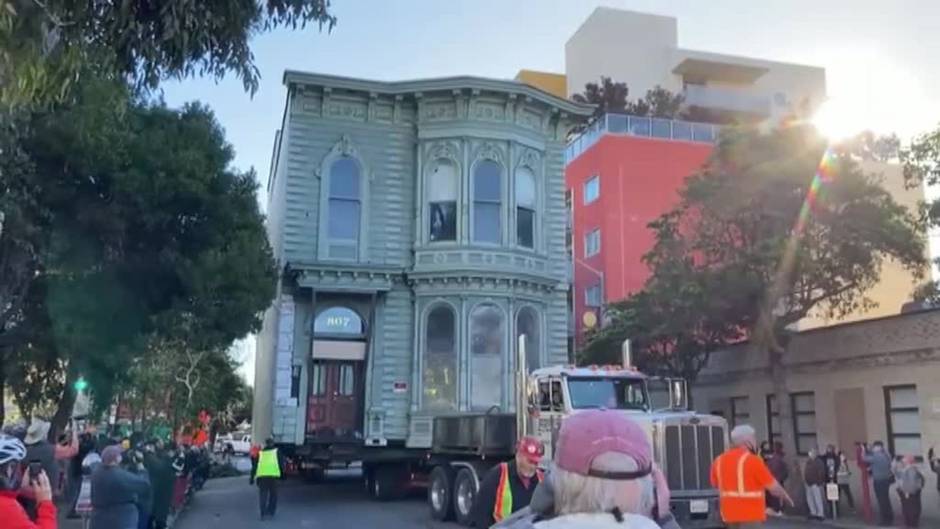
<point>529,158</point>
<point>343,147</point>
<point>488,150</point>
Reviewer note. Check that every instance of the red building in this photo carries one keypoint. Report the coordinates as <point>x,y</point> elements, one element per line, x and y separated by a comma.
<point>621,174</point>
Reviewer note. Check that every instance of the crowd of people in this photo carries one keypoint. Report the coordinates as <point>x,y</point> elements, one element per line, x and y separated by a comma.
<point>129,483</point>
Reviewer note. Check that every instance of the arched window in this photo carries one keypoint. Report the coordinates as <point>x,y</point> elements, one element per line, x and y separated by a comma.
<point>525,207</point>
<point>527,323</point>
<point>344,209</point>
<point>442,201</point>
<point>487,201</point>
<point>439,379</point>
<point>487,336</point>
<point>338,320</point>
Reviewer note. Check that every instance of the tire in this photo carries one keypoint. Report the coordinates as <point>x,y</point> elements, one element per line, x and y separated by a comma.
<point>464,493</point>
<point>440,493</point>
<point>388,483</point>
<point>368,476</point>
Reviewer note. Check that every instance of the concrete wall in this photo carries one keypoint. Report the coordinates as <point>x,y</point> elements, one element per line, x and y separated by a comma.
<point>850,360</point>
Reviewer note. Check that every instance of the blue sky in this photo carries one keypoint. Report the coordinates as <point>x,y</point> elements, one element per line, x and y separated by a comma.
<point>882,57</point>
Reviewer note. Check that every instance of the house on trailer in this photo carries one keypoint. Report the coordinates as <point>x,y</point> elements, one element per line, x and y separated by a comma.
<point>420,229</point>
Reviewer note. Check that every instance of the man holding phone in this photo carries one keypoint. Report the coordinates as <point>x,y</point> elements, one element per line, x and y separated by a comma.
<point>12,453</point>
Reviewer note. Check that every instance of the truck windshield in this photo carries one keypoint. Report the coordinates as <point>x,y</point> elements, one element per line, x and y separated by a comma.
<point>611,393</point>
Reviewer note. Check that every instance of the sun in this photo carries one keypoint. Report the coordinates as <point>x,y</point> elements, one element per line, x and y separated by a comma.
<point>838,121</point>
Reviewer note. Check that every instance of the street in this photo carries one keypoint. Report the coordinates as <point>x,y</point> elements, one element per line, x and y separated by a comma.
<point>230,503</point>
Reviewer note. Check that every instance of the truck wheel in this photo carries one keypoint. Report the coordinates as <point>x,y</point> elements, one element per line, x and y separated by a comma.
<point>440,493</point>
<point>465,492</point>
<point>388,483</point>
<point>368,476</point>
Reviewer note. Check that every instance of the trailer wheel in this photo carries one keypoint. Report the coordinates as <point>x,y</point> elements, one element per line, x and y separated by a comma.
<point>465,492</point>
<point>368,476</point>
<point>440,493</point>
<point>388,483</point>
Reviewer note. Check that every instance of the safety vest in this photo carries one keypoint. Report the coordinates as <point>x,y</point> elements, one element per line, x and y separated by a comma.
<point>503,507</point>
<point>268,466</point>
<point>742,495</point>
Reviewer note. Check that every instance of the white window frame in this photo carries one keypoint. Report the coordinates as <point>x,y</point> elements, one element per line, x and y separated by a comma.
<point>534,208</point>
<point>595,180</point>
<point>501,203</point>
<point>587,237</point>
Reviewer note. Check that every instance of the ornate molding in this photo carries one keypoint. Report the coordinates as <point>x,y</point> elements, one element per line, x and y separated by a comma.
<point>343,147</point>
<point>443,149</point>
<point>530,158</point>
<point>489,150</point>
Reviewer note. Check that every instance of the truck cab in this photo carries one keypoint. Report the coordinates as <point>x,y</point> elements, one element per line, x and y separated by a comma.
<point>684,442</point>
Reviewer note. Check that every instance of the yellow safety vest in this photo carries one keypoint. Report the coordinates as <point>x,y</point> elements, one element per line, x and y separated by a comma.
<point>268,466</point>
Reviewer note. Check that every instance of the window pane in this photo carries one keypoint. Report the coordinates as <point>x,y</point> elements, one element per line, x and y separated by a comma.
<point>908,446</point>
<point>440,365</point>
<point>442,183</point>
<point>805,402</point>
<point>903,397</point>
<point>592,296</point>
<point>343,219</point>
<point>527,323</point>
<point>592,243</point>
<point>347,383</point>
<point>443,221</point>
<point>806,423</point>
<point>905,422</point>
<point>338,320</point>
<point>525,187</point>
<point>525,227</point>
<point>486,222</point>
<point>318,380</point>
<point>805,443</point>
<point>486,181</point>
<point>592,189</point>
<point>344,179</point>
<point>487,335</point>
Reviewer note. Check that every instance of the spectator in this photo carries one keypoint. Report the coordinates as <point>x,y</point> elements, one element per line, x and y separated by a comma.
<point>843,478</point>
<point>12,454</point>
<point>180,484</point>
<point>508,486</point>
<point>879,463</point>
<point>269,471</point>
<point>85,446</point>
<point>766,452</point>
<point>814,476</point>
<point>115,492</point>
<point>253,456</point>
<point>38,448</point>
<point>162,476</point>
<point>935,466</point>
<point>910,483</point>
<point>778,469</point>
<point>603,474</point>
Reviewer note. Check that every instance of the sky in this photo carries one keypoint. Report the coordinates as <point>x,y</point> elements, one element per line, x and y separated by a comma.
<point>882,58</point>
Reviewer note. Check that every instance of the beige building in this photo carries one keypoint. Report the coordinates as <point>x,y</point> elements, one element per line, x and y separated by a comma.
<point>859,381</point>
<point>643,51</point>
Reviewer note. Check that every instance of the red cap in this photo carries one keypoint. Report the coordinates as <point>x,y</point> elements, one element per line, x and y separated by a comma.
<point>531,448</point>
<point>586,435</point>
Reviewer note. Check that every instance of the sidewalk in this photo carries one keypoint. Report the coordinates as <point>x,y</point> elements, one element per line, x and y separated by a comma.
<point>854,522</point>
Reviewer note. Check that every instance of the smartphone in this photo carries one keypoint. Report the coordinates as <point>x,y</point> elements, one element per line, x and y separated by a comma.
<point>35,468</point>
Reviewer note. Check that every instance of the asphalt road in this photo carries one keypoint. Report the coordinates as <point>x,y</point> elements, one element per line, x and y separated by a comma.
<point>338,503</point>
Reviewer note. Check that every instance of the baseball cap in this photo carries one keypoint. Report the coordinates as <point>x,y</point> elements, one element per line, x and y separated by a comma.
<point>586,435</point>
<point>531,448</point>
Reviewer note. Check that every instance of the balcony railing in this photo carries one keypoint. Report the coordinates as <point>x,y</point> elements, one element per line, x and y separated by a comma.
<point>726,99</point>
<point>626,125</point>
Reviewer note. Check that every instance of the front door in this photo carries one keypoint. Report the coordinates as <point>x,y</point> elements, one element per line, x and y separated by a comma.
<point>333,405</point>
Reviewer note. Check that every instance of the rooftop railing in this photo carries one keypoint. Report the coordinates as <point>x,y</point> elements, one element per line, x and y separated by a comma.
<point>646,127</point>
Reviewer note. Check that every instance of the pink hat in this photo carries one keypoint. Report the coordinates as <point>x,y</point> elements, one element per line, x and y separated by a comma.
<point>588,434</point>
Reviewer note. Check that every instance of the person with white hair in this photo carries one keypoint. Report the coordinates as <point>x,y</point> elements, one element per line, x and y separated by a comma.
<point>741,477</point>
<point>603,474</point>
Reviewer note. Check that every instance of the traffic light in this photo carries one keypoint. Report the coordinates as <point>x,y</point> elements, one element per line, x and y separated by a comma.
<point>81,384</point>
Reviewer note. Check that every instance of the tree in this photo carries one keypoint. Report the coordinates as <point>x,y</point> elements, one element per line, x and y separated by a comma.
<point>774,227</point>
<point>658,103</point>
<point>47,45</point>
<point>608,96</point>
<point>921,165</point>
<point>140,240</point>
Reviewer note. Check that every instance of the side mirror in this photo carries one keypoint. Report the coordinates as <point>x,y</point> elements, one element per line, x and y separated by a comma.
<point>678,394</point>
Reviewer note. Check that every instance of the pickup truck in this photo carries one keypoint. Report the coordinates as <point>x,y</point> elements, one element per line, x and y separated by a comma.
<point>240,444</point>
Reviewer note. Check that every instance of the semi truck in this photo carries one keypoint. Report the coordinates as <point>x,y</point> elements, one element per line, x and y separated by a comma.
<point>464,446</point>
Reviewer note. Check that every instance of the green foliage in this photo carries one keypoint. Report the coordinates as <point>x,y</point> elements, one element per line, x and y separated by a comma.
<point>44,46</point>
<point>921,162</point>
<point>732,260</point>
<point>658,103</point>
<point>608,96</point>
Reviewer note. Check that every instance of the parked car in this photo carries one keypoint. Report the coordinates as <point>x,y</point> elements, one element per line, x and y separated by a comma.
<point>239,443</point>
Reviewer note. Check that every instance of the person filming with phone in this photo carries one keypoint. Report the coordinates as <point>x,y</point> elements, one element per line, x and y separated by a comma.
<point>14,477</point>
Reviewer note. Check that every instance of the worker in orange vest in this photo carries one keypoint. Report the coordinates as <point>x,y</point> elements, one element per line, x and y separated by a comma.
<point>741,477</point>
<point>508,486</point>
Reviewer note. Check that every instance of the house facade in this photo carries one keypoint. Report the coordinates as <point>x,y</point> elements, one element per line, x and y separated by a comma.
<point>420,229</point>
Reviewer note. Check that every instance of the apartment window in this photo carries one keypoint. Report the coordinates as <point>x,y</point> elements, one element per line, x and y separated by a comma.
<point>592,296</point>
<point>773,420</point>
<point>569,221</point>
<point>487,201</point>
<point>344,208</point>
<point>902,410</point>
<point>592,242</point>
<point>525,207</point>
<point>740,411</point>
<point>487,351</point>
<point>527,323</point>
<point>592,189</point>
<point>442,201</point>
<point>804,420</point>
<point>440,360</point>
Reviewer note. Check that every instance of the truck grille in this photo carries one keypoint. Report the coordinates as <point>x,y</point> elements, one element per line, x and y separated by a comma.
<point>690,450</point>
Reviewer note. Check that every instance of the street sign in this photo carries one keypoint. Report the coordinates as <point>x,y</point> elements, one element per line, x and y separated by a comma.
<point>832,491</point>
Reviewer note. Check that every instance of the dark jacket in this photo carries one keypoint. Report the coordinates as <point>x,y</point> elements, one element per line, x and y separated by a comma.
<point>486,497</point>
<point>44,452</point>
<point>831,463</point>
<point>778,468</point>
<point>162,477</point>
<point>114,496</point>
<point>815,471</point>
<point>935,466</point>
